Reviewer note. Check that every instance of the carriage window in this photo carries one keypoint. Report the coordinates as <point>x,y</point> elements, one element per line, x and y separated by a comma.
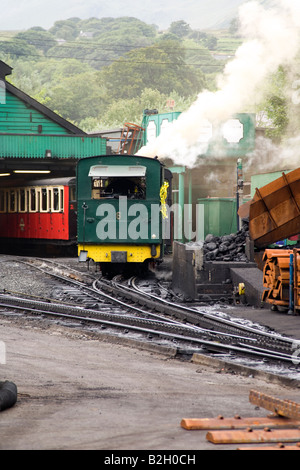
<point>72,193</point>
<point>44,200</point>
<point>49,200</point>
<point>27,199</point>
<point>32,200</point>
<point>2,201</point>
<point>38,201</point>
<point>55,199</point>
<point>12,207</point>
<point>113,187</point>
<point>61,200</point>
<point>22,201</point>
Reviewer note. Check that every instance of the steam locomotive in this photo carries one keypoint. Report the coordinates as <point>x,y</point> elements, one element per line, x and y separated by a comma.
<point>121,210</point>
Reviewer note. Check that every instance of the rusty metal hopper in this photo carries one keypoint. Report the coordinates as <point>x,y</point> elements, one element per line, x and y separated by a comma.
<point>274,212</point>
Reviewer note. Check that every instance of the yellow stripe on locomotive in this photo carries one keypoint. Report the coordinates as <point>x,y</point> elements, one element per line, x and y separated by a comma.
<point>120,253</point>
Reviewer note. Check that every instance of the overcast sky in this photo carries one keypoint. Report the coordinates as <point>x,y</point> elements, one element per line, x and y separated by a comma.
<point>23,14</point>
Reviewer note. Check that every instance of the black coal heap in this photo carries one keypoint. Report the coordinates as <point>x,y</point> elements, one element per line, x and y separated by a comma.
<point>228,247</point>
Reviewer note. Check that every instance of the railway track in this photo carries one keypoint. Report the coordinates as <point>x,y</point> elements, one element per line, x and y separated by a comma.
<point>129,307</point>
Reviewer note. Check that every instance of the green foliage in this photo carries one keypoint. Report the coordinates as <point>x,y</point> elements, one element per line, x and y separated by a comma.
<point>276,110</point>
<point>18,48</point>
<point>77,96</point>
<point>66,29</point>
<point>180,28</point>
<point>161,67</point>
<point>38,38</point>
<point>100,73</point>
<point>99,41</point>
<point>275,105</point>
<point>131,110</point>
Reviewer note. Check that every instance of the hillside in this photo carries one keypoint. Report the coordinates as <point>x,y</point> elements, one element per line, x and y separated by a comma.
<point>99,73</point>
<point>102,72</point>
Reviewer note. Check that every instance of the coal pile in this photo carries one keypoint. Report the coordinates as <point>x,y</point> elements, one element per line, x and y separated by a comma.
<point>226,248</point>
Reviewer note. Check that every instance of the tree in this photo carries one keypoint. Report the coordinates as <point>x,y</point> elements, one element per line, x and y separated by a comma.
<point>37,37</point>
<point>180,28</point>
<point>274,106</point>
<point>131,110</point>
<point>78,97</point>
<point>161,67</point>
<point>18,48</point>
<point>65,29</point>
<point>276,110</point>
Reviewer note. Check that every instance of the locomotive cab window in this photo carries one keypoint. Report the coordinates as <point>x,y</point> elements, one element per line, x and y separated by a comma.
<point>116,181</point>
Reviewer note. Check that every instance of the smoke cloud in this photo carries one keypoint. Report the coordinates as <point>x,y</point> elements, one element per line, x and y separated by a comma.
<point>270,157</point>
<point>271,38</point>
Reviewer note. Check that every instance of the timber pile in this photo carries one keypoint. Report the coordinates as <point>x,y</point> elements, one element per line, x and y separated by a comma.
<point>276,277</point>
<point>280,430</point>
<point>296,280</point>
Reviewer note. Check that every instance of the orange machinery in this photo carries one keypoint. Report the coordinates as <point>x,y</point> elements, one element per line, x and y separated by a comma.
<point>274,215</point>
<point>274,212</point>
<point>281,278</point>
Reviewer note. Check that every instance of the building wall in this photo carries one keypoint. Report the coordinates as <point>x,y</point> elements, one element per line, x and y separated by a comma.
<point>16,117</point>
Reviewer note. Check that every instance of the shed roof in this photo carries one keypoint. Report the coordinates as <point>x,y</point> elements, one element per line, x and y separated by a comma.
<point>5,70</point>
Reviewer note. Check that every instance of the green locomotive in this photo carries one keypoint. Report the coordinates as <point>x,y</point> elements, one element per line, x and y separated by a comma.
<point>122,213</point>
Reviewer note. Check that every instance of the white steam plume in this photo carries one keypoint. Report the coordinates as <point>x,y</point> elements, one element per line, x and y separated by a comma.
<point>271,39</point>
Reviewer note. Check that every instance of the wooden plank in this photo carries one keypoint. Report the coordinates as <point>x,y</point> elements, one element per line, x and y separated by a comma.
<point>286,408</point>
<point>279,446</point>
<point>238,423</point>
<point>253,436</point>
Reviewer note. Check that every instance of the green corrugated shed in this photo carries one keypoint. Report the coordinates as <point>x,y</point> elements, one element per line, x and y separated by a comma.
<point>258,181</point>
<point>16,117</point>
<point>60,146</point>
<point>216,216</point>
<point>28,128</point>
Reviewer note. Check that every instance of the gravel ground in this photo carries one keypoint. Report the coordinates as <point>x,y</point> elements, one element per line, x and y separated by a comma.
<point>18,277</point>
<point>80,391</point>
